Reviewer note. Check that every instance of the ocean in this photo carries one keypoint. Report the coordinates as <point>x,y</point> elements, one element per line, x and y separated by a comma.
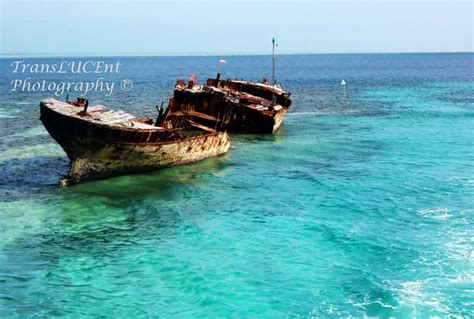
<point>362,204</point>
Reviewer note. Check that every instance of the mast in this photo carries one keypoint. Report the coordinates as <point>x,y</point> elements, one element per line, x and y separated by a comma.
<point>272,104</point>
<point>273,62</point>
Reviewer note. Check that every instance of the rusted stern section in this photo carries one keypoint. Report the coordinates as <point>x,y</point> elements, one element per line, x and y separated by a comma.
<point>231,105</point>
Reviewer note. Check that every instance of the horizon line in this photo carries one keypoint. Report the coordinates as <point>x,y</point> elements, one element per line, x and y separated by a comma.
<point>84,54</point>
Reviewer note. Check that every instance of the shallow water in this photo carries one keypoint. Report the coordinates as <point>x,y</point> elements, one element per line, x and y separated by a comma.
<point>359,208</point>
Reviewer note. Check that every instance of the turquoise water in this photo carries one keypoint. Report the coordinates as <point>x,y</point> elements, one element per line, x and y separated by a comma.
<point>357,208</point>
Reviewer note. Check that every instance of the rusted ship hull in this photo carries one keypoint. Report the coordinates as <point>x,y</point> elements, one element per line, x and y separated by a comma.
<point>234,106</point>
<point>214,111</point>
<point>99,151</point>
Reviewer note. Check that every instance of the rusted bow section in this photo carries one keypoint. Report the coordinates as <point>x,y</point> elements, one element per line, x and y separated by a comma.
<point>102,143</point>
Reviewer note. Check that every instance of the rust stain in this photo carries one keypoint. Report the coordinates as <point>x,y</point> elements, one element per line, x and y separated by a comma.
<point>230,105</point>
<point>106,143</point>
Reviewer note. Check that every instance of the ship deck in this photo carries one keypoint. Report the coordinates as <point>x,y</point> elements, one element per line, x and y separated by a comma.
<point>98,114</point>
<point>246,99</point>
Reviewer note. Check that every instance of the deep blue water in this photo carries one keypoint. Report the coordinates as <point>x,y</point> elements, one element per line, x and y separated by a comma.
<point>357,207</point>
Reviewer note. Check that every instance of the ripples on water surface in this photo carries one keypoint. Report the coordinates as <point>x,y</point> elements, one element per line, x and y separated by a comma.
<point>357,209</point>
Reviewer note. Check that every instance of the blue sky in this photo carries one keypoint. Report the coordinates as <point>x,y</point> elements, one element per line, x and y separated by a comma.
<point>226,27</point>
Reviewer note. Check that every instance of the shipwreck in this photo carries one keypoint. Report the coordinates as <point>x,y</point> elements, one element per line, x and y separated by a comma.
<point>231,105</point>
<point>102,143</point>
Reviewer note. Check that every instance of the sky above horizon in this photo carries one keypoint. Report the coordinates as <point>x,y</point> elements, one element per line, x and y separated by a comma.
<point>194,27</point>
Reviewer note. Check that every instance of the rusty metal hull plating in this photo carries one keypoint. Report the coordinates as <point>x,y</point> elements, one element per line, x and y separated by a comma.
<point>99,151</point>
<point>234,106</point>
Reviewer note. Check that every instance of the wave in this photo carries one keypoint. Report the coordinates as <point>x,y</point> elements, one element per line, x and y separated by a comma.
<point>436,213</point>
